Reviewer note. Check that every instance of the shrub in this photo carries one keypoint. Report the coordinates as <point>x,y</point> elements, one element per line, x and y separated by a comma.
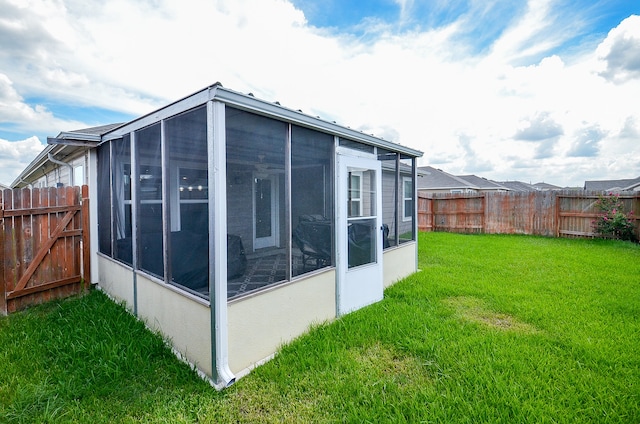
<point>612,221</point>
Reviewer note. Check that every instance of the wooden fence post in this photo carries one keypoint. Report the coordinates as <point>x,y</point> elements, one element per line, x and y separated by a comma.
<point>557,213</point>
<point>636,213</point>
<point>485,213</point>
<point>86,244</point>
<point>3,294</point>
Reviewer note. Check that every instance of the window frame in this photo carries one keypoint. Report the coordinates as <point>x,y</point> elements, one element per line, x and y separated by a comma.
<point>358,199</point>
<point>405,210</point>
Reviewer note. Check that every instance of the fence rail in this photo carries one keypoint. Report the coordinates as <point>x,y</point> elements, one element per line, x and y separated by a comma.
<point>44,245</point>
<point>547,213</point>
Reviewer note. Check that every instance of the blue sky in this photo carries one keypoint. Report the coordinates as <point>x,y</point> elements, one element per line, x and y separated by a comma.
<point>537,90</point>
<point>486,19</point>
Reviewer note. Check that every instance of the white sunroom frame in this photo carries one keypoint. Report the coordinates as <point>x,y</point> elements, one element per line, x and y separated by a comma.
<point>218,369</point>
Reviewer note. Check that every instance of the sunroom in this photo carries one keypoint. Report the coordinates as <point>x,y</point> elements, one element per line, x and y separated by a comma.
<point>232,224</point>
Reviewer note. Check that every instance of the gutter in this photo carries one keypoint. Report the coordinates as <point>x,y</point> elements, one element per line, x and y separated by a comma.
<point>26,183</point>
<point>61,163</point>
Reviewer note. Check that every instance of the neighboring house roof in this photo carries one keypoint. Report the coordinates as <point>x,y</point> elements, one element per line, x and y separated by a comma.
<point>517,186</point>
<point>546,186</point>
<point>482,183</point>
<point>102,129</point>
<point>437,179</point>
<point>612,185</point>
<point>3,187</point>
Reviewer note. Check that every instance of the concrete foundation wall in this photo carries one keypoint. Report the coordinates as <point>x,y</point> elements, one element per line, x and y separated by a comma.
<point>116,280</point>
<point>184,321</point>
<point>399,262</point>
<point>260,324</point>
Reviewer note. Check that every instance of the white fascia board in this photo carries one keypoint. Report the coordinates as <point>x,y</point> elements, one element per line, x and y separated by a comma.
<point>78,136</point>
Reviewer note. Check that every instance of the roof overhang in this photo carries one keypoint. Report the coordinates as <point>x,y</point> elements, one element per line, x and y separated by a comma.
<point>75,139</point>
<point>41,161</point>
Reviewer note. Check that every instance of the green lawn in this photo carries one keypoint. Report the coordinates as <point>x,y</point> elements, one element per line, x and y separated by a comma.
<point>509,329</point>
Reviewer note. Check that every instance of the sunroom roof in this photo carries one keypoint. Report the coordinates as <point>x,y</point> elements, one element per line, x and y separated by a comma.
<point>250,103</point>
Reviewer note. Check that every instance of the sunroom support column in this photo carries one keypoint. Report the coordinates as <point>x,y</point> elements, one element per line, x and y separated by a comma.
<point>216,148</point>
<point>135,232</point>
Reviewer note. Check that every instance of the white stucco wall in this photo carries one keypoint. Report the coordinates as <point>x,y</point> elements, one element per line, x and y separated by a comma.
<point>257,324</point>
<point>399,262</point>
<point>260,324</point>
<point>116,280</point>
<point>186,322</point>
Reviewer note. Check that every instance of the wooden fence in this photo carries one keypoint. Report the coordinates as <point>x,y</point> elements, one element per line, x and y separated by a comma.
<point>44,245</point>
<point>547,213</point>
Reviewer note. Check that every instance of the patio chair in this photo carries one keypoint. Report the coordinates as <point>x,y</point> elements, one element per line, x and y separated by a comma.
<point>313,238</point>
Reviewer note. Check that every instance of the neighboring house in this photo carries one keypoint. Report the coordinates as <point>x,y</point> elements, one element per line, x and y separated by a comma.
<point>632,184</point>
<point>3,187</point>
<point>432,180</point>
<point>66,164</point>
<point>483,184</point>
<point>232,224</point>
<point>517,186</point>
<point>546,187</point>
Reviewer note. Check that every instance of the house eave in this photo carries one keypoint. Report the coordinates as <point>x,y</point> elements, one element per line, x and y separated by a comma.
<point>35,164</point>
<point>66,148</point>
<point>72,142</point>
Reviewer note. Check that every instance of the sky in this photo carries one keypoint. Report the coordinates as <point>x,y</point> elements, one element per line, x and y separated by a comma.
<point>535,91</point>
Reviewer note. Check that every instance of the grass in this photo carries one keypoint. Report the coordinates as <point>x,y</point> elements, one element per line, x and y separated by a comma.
<point>492,329</point>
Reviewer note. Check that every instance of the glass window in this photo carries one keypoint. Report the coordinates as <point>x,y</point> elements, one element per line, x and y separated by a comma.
<point>104,198</point>
<point>149,201</point>
<point>257,239</point>
<point>312,213</point>
<point>355,193</point>
<point>186,139</point>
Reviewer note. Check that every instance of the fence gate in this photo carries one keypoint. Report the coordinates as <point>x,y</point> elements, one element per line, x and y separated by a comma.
<point>44,245</point>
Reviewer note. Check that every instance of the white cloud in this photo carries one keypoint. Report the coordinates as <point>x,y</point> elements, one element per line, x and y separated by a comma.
<point>15,111</point>
<point>587,141</point>
<point>620,52</point>
<point>15,156</point>
<point>539,127</point>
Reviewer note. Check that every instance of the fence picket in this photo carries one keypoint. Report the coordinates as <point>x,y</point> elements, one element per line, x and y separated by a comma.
<point>42,230</point>
<point>547,213</point>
